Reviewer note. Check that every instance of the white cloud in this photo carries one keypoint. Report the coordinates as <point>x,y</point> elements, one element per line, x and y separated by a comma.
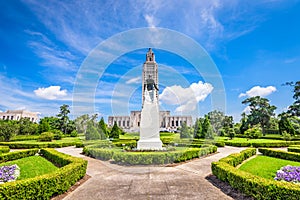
<point>150,21</point>
<point>187,98</point>
<point>51,93</point>
<point>259,91</point>
<point>134,80</point>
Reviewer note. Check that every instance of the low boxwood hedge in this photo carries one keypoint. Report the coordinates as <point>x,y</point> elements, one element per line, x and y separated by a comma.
<point>255,186</point>
<point>295,149</point>
<point>17,155</point>
<point>261,144</point>
<point>4,149</point>
<point>26,145</point>
<point>146,158</point>
<point>280,154</point>
<point>45,186</point>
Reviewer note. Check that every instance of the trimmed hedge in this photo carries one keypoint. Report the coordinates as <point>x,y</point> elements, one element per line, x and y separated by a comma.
<point>17,155</point>
<point>262,144</point>
<point>48,185</point>
<point>280,154</point>
<point>255,186</point>
<point>20,145</point>
<point>146,158</point>
<point>4,149</point>
<point>295,149</point>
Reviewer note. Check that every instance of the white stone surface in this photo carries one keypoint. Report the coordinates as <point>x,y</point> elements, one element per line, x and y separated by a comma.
<point>149,129</point>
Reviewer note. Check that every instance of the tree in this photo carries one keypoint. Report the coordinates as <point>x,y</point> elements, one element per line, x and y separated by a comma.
<point>26,127</point>
<point>207,129</point>
<point>103,126</point>
<point>244,123</point>
<point>260,111</point>
<point>216,119</point>
<point>294,109</point>
<point>8,130</point>
<point>81,123</point>
<point>43,126</point>
<point>92,133</point>
<point>63,118</point>
<point>198,129</point>
<point>285,124</point>
<point>115,131</point>
<point>253,133</point>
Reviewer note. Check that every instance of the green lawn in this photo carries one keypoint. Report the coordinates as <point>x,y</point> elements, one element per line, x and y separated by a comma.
<point>265,166</point>
<point>32,166</point>
<point>245,140</point>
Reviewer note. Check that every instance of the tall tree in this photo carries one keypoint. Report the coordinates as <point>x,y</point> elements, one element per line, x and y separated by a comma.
<point>115,131</point>
<point>285,124</point>
<point>207,129</point>
<point>43,126</point>
<point>198,129</point>
<point>260,111</point>
<point>216,119</point>
<point>103,126</point>
<point>63,118</point>
<point>294,109</point>
<point>81,123</point>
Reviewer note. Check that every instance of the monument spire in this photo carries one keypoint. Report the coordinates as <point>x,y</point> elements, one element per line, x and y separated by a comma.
<point>149,129</point>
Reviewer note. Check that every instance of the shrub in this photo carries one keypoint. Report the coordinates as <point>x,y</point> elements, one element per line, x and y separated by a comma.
<point>21,145</point>
<point>145,158</point>
<point>255,186</point>
<point>295,149</point>
<point>238,158</point>
<point>46,137</point>
<point>74,133</point>
<point>57,134</point>
<point>45,186</point>
<point>125,143</point>
<point>4,149</point>
<point>280,154</point>
<point>262,144</point>
<point>17,155</point>
<point>253,133</point>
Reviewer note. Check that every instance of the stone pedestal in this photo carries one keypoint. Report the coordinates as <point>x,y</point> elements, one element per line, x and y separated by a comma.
<point>149,127</point>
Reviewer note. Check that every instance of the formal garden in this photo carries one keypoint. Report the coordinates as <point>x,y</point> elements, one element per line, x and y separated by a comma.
<point>31,168</point>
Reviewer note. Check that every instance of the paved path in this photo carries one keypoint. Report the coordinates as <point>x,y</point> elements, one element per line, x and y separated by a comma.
<point>185,181</point>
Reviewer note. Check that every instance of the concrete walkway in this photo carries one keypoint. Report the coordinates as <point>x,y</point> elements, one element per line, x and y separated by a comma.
<point>185,181</point>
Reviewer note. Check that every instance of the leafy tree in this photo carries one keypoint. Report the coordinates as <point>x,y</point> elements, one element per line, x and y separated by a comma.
<point>244,123</point>
<point>260,111</point>
<point>231,133</point>
<point>216,119</point>
<point>285,124</point>
<point>26,127</point>
<point>63,118</point>
<point>115,131</point>
<point>81,123</point>
<point>103,126</point>
<point>294,109</point>
<point>198,129</point>
<point>43,126</point>
<point>92,132</point>
<point>7,131</point>
<point>207,129</point>
<point>53,122</point>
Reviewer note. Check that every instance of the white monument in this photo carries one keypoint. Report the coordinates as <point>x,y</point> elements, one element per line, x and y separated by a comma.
<point>149,126</point>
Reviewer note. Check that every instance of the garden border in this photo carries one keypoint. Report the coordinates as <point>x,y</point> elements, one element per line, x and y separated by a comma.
<point>45,186</point>
<point>258,187</point>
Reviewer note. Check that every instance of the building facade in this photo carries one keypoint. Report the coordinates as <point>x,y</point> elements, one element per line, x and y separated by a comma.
<point>18,114</point>
<point>167,122</point>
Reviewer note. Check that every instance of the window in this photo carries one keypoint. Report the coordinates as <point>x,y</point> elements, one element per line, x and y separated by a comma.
<point>123,123</point>
<point>172,123</point>
<point>176,122</point>
<point>128,123</point>
<point>3,117</point>
<point>11,117</point>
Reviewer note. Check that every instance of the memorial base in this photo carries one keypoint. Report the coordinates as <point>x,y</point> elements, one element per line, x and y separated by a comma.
<point>149,144</point>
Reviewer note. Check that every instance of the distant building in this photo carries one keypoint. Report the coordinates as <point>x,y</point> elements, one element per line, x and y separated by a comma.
<point>167,122</point>
<point>18,114</point>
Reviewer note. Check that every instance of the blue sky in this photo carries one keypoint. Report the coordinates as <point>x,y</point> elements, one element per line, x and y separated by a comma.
<point>254,44</point>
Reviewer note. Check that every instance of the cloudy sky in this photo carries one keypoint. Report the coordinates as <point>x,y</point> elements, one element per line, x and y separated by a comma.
<point>255,46</point>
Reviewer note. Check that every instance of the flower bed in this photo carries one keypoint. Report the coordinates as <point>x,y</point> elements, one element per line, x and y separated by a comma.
<point>288,174</point>
<point>45,186</point>
<point>255,186</point>
<point>4,149</point>
<point>9,173</point>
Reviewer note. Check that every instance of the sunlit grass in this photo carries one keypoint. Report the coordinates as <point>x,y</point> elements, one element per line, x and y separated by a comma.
<point>32,166</point>
<point>265,166</point>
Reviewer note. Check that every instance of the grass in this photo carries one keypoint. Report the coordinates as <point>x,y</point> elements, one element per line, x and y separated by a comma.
<point>245,140</point>
<point>265,166</point>
<point>32,166</point>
